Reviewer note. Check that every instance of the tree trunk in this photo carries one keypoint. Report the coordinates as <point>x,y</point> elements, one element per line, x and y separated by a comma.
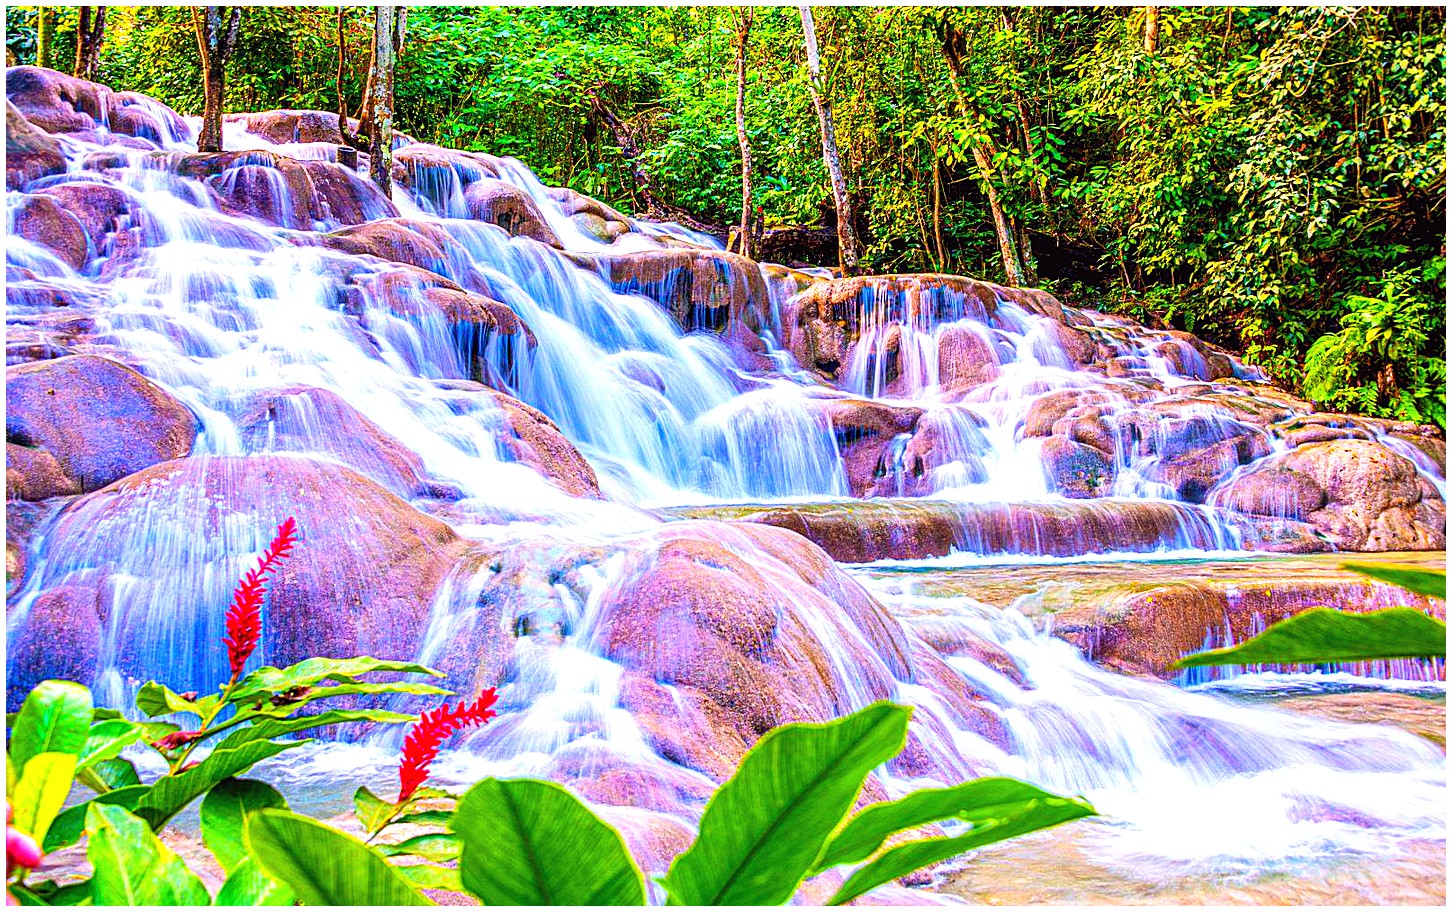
<point>88,41</point>
<point>1008,248</point>
<point>942,257</point>
<point>388,27</point>
<point>1151,29</point>
<point>846,230</point>
<point>743,36</point>
<point>44,35</point>
<point>352,142</point>
<point>216,28</point>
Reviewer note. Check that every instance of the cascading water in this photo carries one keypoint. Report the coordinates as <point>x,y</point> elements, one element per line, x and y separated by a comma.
<point>285,341</point>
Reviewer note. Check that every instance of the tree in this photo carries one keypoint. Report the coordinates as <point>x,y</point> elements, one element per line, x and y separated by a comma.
<point>954,46</point>
<point>88,41</point>
<point>743,36</point>
<point>44,35</point>
<point>1151,29</point>
<point>216,28</point>
<point>846,231</point>
<point>375,116</point>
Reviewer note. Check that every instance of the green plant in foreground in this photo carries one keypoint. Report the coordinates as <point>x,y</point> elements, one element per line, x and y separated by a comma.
<point>1325,635</point>
<point>783,817</point>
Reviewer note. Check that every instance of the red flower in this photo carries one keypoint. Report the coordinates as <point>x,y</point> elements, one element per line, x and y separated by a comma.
<point>244,618</point>
<point>176,739</point>
<point>422,744</point>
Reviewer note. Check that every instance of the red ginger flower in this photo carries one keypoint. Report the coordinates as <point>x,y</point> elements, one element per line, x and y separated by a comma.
<point>244,618</point>
<point>422,744</point>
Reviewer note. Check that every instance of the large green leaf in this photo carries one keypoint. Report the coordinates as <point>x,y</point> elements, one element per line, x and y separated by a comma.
<point>49,893</point>
<point>70,824</point>
<point>1325,635</point>
<point>980,802</point>
<point>159,700</point>
<point>532,843</point>
<point>765,826</point>
<point>132,867</point>
<point>248,885</point>
<point>173,792</point>
<point>108,775</point>
<point>41,791</point>
<point>267,680</point>
<point>224,811</point>
<point>324,866</point>
<point>433,846</point>
<point>54,719</point>
<point>264,727</point>
<point>106,740</point>
<point>1413,579</point>
<point>1010,820</point>
<point>431,877</point>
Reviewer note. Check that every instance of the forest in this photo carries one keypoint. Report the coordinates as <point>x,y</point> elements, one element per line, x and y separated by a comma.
<point>1273,180</point>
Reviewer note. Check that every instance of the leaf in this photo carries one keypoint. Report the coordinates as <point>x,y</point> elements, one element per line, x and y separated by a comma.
<point>532,843</point>
<point>55,718</point>
<point>1413,579</point>
<point>898,861</point>
<point>48,893</point>
<point>132,867</point>
<point>370,810</point>
<point>765,826</point>
<point>70,824</point>
<point>323,866</point>
<point>173,792</point>
<point>106,740</point>
<point>431,877</point>
<point>41,791</point>
<point>108,775</point>
<point>978,802</point>
<point>248,885</point>
<point>267,680</point>
<point>224,811</point>
<point>159,700</point>
<point>1325,635</point>
<point>264,727</point>
<point>433,846</point>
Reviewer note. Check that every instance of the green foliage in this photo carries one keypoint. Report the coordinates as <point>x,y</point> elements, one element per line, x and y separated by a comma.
<point>224,814</point>
<point>55,718</point>
<point>530,843</point>
<point>132,867</point>
<point>1326,635</point>
<point>1413,579</point>
<point>324,866</point>
<point>765,826</point>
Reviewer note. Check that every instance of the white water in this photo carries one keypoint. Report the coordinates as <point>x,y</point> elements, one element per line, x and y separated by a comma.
<point>219,309</point>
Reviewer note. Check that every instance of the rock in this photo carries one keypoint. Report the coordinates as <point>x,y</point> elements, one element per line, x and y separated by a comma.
<point>360,581</point>
<point>32,474</point>
<point>1373,499</point>
<point>1077,470</point>
<point>295,126</point>
<point>942,452</point>
<point>700,289</point>
<point>487,334</point>
<point>965,359</point>
<point>100,420</point>
<point>1049,408</point>
<point>30,153</point>
<point>1194,474</point>
<point>62,636</point>
<point>399,240</point>
<point>308,420</point>
<point>503,204</point>
<point>43,221</point>
<point>865,431</point>
<point>1276,491</point>
<point>534,440</point>
<point>58,103</point>
<point>590,215</point>
<point>100,207</point>
<point>281,191</point>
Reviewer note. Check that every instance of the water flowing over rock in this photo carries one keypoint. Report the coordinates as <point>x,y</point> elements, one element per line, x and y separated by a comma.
<point>85,421</point>
<point>154,556</point>
<point>614,470</point>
